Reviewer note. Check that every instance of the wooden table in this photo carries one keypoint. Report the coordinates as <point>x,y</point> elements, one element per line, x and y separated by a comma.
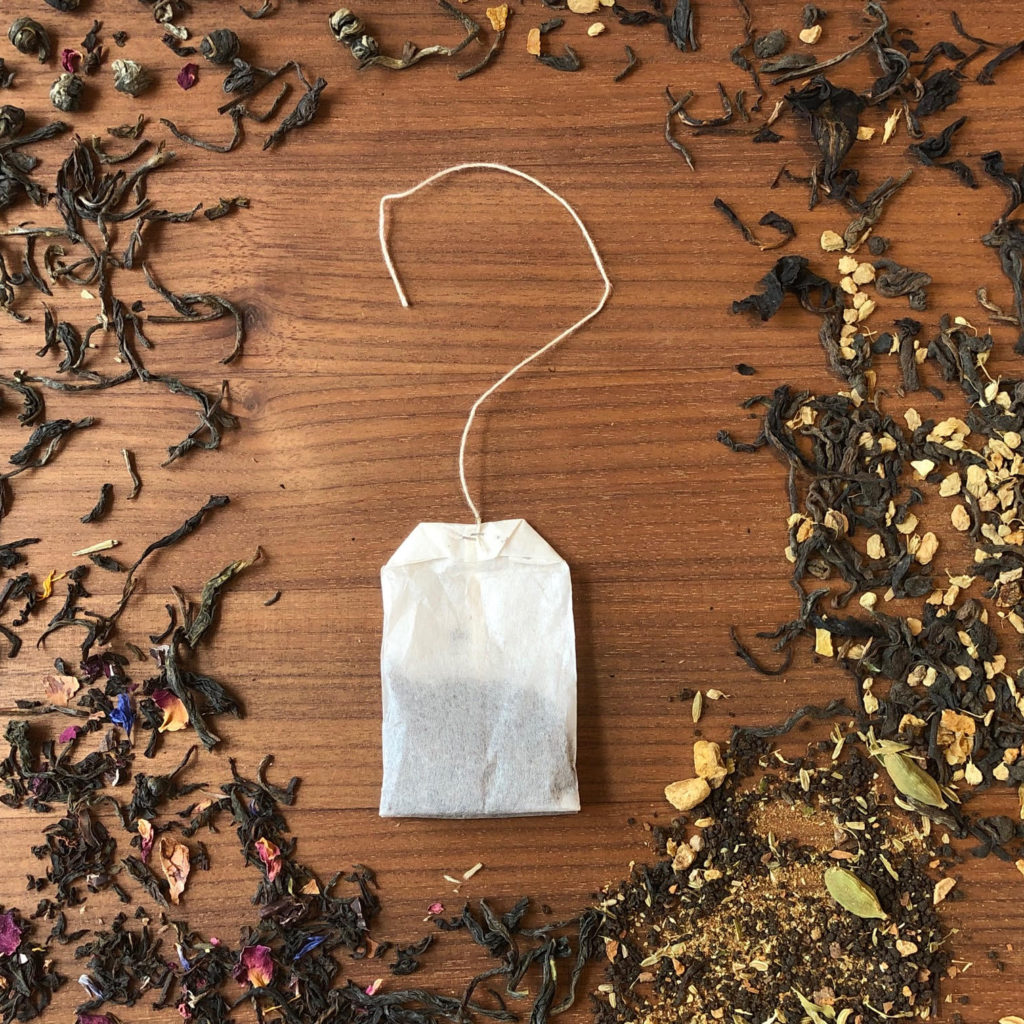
<point>351,409</point>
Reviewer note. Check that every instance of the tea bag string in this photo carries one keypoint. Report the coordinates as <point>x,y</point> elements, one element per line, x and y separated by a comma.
<point>533,355</point>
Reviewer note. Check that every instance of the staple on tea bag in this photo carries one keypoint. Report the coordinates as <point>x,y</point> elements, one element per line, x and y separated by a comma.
<point>478,657</point>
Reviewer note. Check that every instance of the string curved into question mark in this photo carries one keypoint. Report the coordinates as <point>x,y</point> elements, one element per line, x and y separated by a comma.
<point>533,355</point>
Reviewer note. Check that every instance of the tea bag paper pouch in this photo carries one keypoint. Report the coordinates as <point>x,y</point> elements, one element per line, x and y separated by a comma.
<point>478,671</point>
<point>478,654</point>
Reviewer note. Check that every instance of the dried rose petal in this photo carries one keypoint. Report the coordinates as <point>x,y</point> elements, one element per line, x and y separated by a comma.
<point>435,908</point>
<point>59,689</point>
<point>69,60</point>
<point>93,1018</point>
<point>10,934</point>
<point>145,830</point>
<point>175,712</point>
<point>255,967</point>
<point>69,734</point>
<point>270,855</point>
<point>188,76</point>
<point>174,859</point>
<point>374,987</point>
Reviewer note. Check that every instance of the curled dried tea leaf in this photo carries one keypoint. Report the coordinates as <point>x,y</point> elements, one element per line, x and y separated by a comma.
<point>852,894</point>
<point>29,37</point>
<point>211,595</point>
<point>66,93</point>
<point>130,77</point>
<point>912,780</point>
<point>221,46</point>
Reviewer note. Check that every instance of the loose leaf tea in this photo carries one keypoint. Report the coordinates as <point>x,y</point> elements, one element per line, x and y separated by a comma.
<point>770,219</point>
<point>27,979</point>
<point>102,505</point>
<point>732,917</point>
<point>211,594</point>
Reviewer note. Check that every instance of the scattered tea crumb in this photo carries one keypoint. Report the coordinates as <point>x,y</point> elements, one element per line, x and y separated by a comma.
<point>498,16</point>
<point>890,124</point>
<point>831,241</point>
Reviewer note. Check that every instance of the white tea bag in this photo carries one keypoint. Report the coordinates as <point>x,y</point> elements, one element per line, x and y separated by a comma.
<point>478,670</point>
<point>478,659</point>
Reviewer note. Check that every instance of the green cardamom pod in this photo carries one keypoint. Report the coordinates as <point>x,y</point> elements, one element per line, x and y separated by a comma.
<point>813,1010</point>
<point>852,894</point>
<point>912,780</point>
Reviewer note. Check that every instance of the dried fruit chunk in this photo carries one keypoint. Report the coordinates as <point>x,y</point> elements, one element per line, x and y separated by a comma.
<point>685,795</point>
<point>943,887</point>
<point>708,764</point>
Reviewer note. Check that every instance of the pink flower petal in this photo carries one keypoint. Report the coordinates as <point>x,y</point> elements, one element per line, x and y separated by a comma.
<point>188,76</point>
<point>270,855</point>
<point>10,934</point>
<point>69,62</point>
<point>255,967</point>
<point>175,712</point>
<point>69,734</point>
<point>145,830</point>
<point>435,909</point>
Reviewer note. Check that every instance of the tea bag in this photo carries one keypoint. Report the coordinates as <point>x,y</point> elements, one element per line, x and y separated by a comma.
<point>478,654</point>
<point>478,666</point>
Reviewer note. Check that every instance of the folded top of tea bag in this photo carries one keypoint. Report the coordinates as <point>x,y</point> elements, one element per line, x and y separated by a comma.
<point>508,538</point>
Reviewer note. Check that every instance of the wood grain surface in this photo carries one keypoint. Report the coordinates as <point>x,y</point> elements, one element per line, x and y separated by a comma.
<point>351,409</point>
